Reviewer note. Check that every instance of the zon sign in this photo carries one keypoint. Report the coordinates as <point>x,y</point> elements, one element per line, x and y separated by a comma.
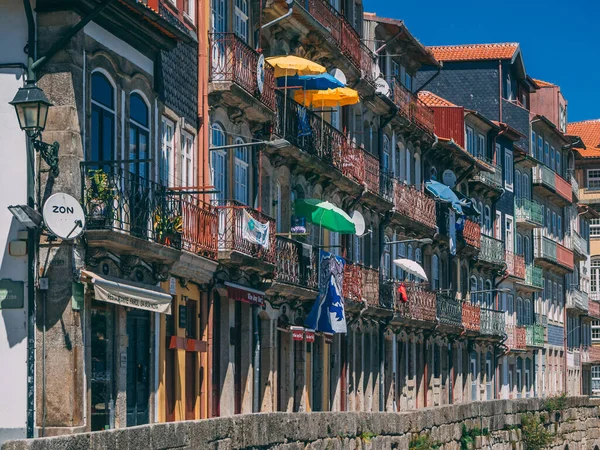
<point>63,216</point>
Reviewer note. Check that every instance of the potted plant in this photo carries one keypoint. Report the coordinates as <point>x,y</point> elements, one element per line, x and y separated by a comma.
<point>168,228</point>
<point>98,198</point>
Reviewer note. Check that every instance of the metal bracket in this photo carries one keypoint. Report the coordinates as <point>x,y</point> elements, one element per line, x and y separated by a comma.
<point>49,153</point>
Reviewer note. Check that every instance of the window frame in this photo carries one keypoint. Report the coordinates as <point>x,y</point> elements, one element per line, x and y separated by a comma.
<point>508,170</point>
<point>103,110</point>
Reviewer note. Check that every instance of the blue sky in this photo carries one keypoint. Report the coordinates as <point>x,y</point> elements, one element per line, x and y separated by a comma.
<point>560,40</point>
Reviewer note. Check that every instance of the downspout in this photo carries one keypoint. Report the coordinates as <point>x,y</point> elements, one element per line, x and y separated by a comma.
<point>256,362</point>
<point>424,85</point>
<point>499,90</point>
<point>279,19</point>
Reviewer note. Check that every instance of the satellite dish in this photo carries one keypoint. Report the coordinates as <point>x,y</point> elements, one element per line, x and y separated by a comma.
<point>449,178</point>
<point>260,73</point>
<point>63,216</point>
<point>382,87</point>
<point>375,71</point>
<point>359,222</point>
<point>338,75</point>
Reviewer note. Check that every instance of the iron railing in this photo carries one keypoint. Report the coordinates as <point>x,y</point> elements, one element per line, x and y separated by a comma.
<point>492,250</point>
<point>515,265</point>
<point>546,177</point>
<point>472,233</point>
<point>386,185</point>
<point>200,227</point>
<point>579,244</point>
<point>492,322</point>
<point>535,335</point>
<point>577,299</point>
<point>411,107</point>
<point>232,60</point>
<point>545,248</point>
<point>449,310</point>
<point>116,197</point>
<point>515,337</point>
<point>529,210</point>
<point>471,316</point>
<point>296,263</point>
<point>492,179</point>
<point>421,303</point>
<point>231,230</point>
<point>414,204</point>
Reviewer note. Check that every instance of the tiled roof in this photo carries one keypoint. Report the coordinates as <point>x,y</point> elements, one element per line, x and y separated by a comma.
<point>589,131</point>
<point>542,83</point>
<point>474,52</point>
<point>430,99</point>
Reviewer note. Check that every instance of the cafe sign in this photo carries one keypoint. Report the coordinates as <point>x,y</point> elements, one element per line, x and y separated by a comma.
<point>12,294</point>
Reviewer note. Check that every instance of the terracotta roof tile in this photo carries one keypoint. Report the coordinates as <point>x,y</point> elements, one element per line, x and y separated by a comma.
<point>430,99</point>
<point>589,131</point>
<point>474,52</point>
<point>542,83</point>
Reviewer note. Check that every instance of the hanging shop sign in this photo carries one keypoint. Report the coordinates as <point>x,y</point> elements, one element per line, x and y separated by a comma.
<point>245,294</point>
<point>297,333</point>
<point>309,335</point>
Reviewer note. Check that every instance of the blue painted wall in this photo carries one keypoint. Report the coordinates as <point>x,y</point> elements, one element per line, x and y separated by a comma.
<point>556,335</point>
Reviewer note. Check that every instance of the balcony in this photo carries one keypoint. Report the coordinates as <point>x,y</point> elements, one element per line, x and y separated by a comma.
<point>125,211</point>
<point>421,305</point>
<point>296,269</point>
<point>414,209</point>
<point>386,186</point>
<point>589,196</point>
<point>548,183</point>
<point>577,300</point>
<point>515,265</point>
<point>449,311</point>
<point>528,213</point>
<point>411,108</point>
<point>533,278</point>
<point>492,251</point>
<point>535,335</point>
<point>472,234</point>
<point>233,77</point>
<point>361,285</point>
<point>550,254</point>
<point>200,227</point>
<point>471,317</point>
<point>573,359</point>
<point>574,187</point>
<point>233,247</point>
<point>579,246</point>
<point>492,322</point>
<point>515,338</point>
<point>593,307</point>
<point>489,179</point>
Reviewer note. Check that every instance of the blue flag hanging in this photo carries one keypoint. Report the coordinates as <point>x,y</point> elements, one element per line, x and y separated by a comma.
<point>328,314</point>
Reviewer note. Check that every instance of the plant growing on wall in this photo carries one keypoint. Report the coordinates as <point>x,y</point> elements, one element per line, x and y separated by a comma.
<point>423,442</point>
<point>533,433</point>
<point>467,440</point>
<point>557,403</point>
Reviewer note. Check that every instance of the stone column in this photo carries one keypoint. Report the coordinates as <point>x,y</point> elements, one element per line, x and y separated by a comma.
<point>388,368</point>
<point>247,352</point>
<point>267,365</point>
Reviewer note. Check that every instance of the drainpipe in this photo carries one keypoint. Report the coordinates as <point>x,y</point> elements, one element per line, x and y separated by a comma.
<point>499,90</point>
<point>256,361</point>
<point>279,19</point>
<point>424,85</point>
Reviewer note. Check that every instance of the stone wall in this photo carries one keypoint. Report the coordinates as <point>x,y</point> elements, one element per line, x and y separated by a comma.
<point>577,425</point>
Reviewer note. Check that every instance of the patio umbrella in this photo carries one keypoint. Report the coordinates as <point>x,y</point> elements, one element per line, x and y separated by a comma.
<point>325,214</point>
<point>444,193</point>
<point>318,82</point>
<point>288,66</point>
<point>341,96</point>
<point>411,267</point>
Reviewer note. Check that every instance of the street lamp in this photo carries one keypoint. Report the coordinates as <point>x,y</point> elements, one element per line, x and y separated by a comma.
<point>405,241</point>
<point>31,106</point>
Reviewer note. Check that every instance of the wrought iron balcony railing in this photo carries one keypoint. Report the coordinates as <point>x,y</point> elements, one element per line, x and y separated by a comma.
<point>492,322</point>
<point>411,107</point>
<point>492,179</point>
<point>492,250</point>
<point>232,60</point>
<point>529,211</point>
<point>577,299</point>
<point>515,265</point>
<point>231,230</point>
<point>449,310</point>
<point>544,176</point>
<point>471,316</point>
<point>579,244</point>
<point>117,198</point>
<point>472,234</point>
<point>545,248</point>
<point>200,227</point>
<point>516,337</point>
<point>386,185</point>
<point>421,303</point>
<point>361,284</point>
<point>415,204</point>
<point>535,335</point>
<point>296,263</point>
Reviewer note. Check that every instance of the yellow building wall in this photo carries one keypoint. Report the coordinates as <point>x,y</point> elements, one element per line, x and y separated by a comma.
<point>594,247</point>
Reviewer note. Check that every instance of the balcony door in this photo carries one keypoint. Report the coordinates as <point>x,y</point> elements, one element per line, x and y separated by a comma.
<point>138,367</point>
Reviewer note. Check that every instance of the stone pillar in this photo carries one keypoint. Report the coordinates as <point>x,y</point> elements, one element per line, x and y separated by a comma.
<point>359,374</point>
<point>267,365</point>
<point>247,352</point>
<point>388,354</point>
<point>120,365</point>
<point>351,344</point>
<point>299,376</point>
<point>368,373</point>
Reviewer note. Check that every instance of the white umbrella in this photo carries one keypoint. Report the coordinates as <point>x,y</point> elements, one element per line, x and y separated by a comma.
<point>411,267</point>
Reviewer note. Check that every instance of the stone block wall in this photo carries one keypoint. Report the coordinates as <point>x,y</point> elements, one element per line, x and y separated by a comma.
<point>576,426</point>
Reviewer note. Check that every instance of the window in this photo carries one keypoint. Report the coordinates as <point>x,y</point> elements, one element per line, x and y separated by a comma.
<point>402,254</point>
<point>533,151</point>
<point>489,299</point>
<point>558,167</point>
<point>408,81</point>
<point>593,179</point>
<point>480,289</point>
<point>520,311</point>
<point>559,234</point>
<point>139,133</point>
<point>488,220</point>
<point>167,174</point>
<point>540,148</point>
<point>103,119</point>
<point>188,9</point>
<point>509,95</point>
<point>241,172</point>
<point>435,272</point>
<point>527,250</point>
<point>519,244</point>
<point>401,169</point>
<point>473,289</point>
<point>508,169</point>
<point>553,158</point>
<point>518,184</point>
<point>554,225</point>
<point>241,19</point>
<point>187,160</point>
<point>386,153</point>
<point>470,141</point>
<point>218,163</point>
<point>481,146</point>
<point>408,166</point>
<point>595,378</point>
<point>509,236</point>
<point>596,331</point>
<point>594,227</point>
<point>525,186</point>
<point>527,316</point>
<point>219,15</point>
<point>547,153</point>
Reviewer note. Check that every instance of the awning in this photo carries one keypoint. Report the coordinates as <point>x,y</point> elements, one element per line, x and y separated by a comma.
<point>128,293</point>
<point>245,294</point>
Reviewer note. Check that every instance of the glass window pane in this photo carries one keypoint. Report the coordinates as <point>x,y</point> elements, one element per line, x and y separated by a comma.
<point>138,110</point>
<point>102,90</point>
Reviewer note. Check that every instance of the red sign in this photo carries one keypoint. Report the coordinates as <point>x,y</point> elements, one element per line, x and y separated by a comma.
<point>310,335</point>
<point>244,294</point>
<point>297,333</point>
<point>328,338</point>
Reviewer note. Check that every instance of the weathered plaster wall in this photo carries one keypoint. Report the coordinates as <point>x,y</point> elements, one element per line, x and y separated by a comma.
<point>578,426</point>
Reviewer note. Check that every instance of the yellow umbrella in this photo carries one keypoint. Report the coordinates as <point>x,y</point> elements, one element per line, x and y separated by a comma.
<point>342,96</point>
<point>287,66</point>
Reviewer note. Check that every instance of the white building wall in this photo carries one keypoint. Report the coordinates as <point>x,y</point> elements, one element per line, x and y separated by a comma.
<point>13,190</point>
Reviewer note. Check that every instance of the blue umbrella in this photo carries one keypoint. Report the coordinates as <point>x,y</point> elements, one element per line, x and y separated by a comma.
<point>319,82</point>
<point>444,193</point>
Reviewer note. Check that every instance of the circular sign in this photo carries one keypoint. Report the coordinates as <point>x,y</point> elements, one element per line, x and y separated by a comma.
<point>63,215</point>
<point>449,178</point>
<point>260,73</point>
<point>382,87</point>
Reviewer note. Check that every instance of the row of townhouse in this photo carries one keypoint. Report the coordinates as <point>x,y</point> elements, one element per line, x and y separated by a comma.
<point>172,130</point>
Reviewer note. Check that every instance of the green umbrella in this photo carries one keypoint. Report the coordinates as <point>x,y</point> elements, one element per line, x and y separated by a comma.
<point>325,214</point>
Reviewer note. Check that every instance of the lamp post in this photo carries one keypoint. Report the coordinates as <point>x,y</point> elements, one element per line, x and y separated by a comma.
<point>31,106</point>
<point>406,241</point>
